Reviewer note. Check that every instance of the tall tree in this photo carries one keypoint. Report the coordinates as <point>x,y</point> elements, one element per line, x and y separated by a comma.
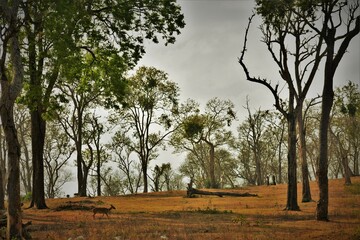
<point>335,14</point>
<point>83,90</point>
<point>258,147</point>
<point>150,104</point>
<point>22,119</point>
<point>121,148</point>
<point>96,149</point>
<point>290,40</point>
<point>347,106</point>
<point>57,152</point>
<point>12,75</point>
<point>54,31</point>
<point>210,128</point>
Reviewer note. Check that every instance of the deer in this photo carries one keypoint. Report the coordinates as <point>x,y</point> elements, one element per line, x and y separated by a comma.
<point>103,210</point>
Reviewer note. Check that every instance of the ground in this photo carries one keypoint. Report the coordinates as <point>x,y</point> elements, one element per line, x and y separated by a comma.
<point>170,215</point>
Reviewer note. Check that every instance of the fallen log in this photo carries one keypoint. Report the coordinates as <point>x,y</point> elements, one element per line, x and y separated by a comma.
<point>192,191</point>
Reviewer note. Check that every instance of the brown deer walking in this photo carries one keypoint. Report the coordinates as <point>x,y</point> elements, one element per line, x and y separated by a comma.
<point>103,210</point>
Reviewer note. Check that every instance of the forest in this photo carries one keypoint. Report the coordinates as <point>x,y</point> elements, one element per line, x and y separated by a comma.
<point>73,97</point>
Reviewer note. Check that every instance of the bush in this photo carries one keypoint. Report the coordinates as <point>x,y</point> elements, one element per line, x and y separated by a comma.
<point>27,197</point>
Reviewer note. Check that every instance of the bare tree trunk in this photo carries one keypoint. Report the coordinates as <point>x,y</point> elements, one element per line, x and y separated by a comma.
<point>2,190</point>
<point>327,102</point>
<point>145,178</point>
<point>38,128</point>
<point>280,180</point>
<point>347,170</point>
<point>98,171</point>
<point>292,179</point>
<point>306,194</point>
<point>2,170</point>
<point>322,205</point>
<point>213,183</point>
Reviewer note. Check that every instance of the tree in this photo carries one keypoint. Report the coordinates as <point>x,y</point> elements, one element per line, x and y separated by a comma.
<point>327,30</point>
<point>93,139</point>
<point>22,119</point>
<point>161,176</point>
<point>344,140</point>
<point>121,148</point>
<point>55,31</point>
<point>253,131</point>
<point>290,39</point>
<point>209,128</point>
<point>57,152</point>
<point>260,145</point>
<point>347,101</point>
<point>83,88</point>
<point>147,113</point>
<point>12,75</point>
<point>277,132</point>
<point>289,111</point>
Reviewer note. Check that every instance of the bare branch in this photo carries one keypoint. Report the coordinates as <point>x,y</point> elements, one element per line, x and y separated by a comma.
<point>264,82</point>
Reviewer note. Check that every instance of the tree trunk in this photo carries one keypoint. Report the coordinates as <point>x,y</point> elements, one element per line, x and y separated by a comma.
<point>38,128</point>
<point>98,172</point>
<point>327,102</point>
<point>38,125</point>
<point>280,166</point>
<point>10,90</point>
<point>259,180</point>
<point>292,179</point>
<point>213,183</point>
<point>306,194</point>
<point>322,205</point>
<point>80,177</point>
<point>347,170</point>
<point>3,153</point>
<point>2,191</point>
<point>2,171</point>
<point>145,179</point>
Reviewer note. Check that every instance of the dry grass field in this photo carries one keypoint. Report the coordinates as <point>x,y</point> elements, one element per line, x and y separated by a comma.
<point>170,215</point>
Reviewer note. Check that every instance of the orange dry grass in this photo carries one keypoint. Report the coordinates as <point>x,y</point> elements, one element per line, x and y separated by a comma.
<point>169,215</point>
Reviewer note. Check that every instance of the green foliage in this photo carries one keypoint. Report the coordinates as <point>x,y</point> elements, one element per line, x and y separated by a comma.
<point>277,13</point>
<point>27,197</point>
<point>193,126</point>
<point>347,99</point>
<point>151,102</point>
